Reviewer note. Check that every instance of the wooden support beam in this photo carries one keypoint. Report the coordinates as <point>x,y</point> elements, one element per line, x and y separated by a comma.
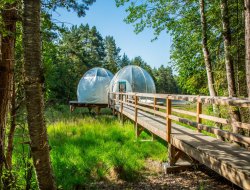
<point>122,115</point>
<point>153,136</point>
<point>72,108</point>
<point>136,113</point>
<point>171,154</point>
<point>178,161</point>
<point>169,121</point>
<point>198,112</point>
<point>139,130</point>
<point>98,109</point>
<point>154,105</point>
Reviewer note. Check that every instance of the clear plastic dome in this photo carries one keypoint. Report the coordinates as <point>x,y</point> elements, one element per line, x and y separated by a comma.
<point>139,80</point>
<point>94,85</point>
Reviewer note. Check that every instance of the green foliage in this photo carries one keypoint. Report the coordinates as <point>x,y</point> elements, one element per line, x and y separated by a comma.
<point>182,20</point>
<point>112,57</point>
<point>125,61</point>
<point>78,49</point>
<point>79,7</point>
<point>165,81</point>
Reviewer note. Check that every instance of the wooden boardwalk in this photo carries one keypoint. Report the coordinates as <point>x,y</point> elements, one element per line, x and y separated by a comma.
<point>229,160</point>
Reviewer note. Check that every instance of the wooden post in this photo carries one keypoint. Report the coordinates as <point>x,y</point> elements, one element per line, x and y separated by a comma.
<point>168,123</point>
<point>136,116</point>
<point>114,101</point>
<point>72,108</point>
<point>171,154</point>
<point>198,112</point>
<point>108,100</point>
<point>122,117</point>
<point>154,105</point>
<point>171,148</point>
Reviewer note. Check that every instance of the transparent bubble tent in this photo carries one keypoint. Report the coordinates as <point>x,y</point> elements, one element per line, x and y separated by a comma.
<point>94,86</point>
<point>134,79</point>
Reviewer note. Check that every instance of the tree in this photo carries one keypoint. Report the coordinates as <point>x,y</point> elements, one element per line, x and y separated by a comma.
<point>165,81</point>
<point>34,84</point>
<point>182,19</point>
<point>124,61</point>
<point>207,58</point>
<point>227,46</point>
<point>173,16</point>
<point>112,57</point>
<point>7,41</point>
<point>79,7</point>
<point>234,112</point>
<point>80,48</point>
<point>247,43</point>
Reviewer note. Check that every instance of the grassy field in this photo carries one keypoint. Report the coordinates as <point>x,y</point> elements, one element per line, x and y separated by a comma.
<point>87,148</point>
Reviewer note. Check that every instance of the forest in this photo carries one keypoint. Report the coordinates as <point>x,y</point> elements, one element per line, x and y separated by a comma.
<point>42,61</point>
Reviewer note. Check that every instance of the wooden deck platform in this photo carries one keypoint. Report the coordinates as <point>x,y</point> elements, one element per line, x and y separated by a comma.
<point>76,104</point>
<point>229,160</point>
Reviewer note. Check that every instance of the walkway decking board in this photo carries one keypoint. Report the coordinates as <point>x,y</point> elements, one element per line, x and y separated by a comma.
<point>226,159</point>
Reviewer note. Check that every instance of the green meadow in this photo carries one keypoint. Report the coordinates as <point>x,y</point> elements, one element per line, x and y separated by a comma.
<point>86,148</point>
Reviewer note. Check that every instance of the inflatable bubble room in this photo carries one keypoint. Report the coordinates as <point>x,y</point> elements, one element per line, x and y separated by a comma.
<point>94,86</point>
<point>132,78</point>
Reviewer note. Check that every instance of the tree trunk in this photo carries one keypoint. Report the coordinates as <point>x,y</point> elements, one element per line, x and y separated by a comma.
<point>207,59</point>
<point>247,42</point>
<point>34,85</point>
<point>234,111</point>
<point>12,129</point>
<point>9,18</point>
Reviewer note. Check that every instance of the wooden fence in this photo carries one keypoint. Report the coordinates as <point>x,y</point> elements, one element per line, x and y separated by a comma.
<point>162,105</point>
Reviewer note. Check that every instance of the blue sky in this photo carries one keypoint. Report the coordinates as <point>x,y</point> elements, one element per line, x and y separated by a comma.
<point>109,21</point>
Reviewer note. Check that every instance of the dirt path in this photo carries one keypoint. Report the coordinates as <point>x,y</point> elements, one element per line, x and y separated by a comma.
<point>153,178</point>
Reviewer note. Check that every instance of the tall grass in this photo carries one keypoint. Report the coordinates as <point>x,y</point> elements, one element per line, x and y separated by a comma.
<point>87,148</point>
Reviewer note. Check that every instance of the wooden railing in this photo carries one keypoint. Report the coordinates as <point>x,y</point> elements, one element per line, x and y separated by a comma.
<point>162,105</point>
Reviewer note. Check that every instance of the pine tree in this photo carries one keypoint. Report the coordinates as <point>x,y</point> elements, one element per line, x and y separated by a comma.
<point>112,57</point>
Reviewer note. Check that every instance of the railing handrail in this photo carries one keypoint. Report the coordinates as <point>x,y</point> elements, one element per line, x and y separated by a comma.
<point>217,100</point>
<point>168,113</point>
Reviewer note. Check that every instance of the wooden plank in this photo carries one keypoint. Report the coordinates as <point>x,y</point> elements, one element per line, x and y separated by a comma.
<point>232,163</point>
<point>160,107</point>
<point>147,124</point>
<point>241,102</point>
<point>238,177</point>
<point>213,118</point>
<point>149,95</point>
<point>130,100</point>
<point>241,125</point>
<point>81,104</point>
<point>127,103</point>
<point>145,104</point>
<point>226,134</point>
<point>151,111</point>
<point>184,112</point>
<point>154,105</point>
<point>168,111</point>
